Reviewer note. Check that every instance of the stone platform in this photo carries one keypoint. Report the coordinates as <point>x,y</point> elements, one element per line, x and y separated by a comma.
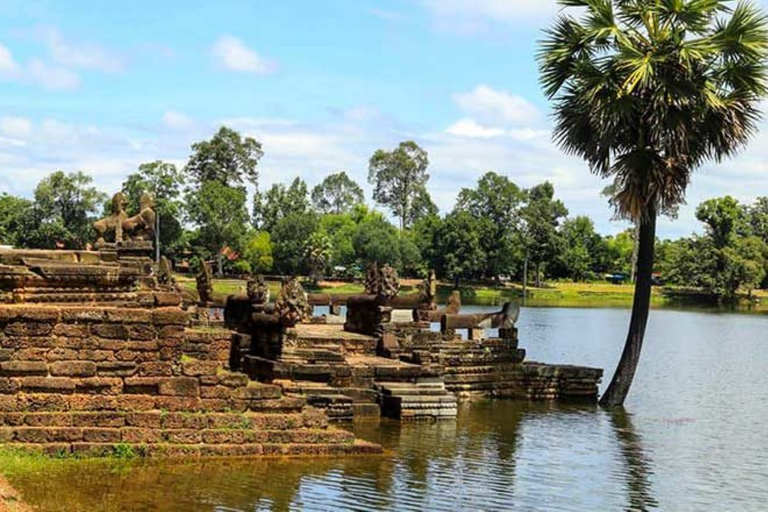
<point>95,380</point>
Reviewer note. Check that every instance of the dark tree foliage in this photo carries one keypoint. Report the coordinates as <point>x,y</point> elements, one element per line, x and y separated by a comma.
<point>227,158</point>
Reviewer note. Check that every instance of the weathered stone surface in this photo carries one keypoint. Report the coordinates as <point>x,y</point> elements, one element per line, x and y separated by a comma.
<point>20,368</point>
<point>73,368</point>
<point>179,386</point>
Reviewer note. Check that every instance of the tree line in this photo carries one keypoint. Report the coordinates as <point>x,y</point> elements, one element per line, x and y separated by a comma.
<point>495,230</point>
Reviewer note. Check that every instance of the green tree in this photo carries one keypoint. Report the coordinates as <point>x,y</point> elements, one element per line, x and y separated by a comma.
<point>376,240</point>
<point>337,193</point>
<point>64,209</point>
<point>460,247</point>
<point>15,213</point>
<point>399,178</point>
<point>278,202</point>
<point>290,236</point>
<point>584,252</point>
<point>220,213</point>
<point>341,228</point>
<point>541,216</point>
<point>646,92</point>
<point>495,203</point>
<point>318,251</point>
<point>164,181</point>
<point>228,158</point>
<point>722,216</point>
<point>257,251</point>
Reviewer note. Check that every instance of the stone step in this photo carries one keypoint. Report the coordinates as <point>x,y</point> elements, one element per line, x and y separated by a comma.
<point>219,450</point>
<point>137,435</point>
<point>309,418</point>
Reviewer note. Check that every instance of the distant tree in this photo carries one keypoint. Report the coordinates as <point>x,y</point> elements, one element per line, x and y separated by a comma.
<point>290,236</point>
<point>460,246</point>
<point>228,158</point>
<point>584,252</point>
<point>424,234</point>
<point>646,92</point>
<point>376,240</point>
<point>257,251</point>
<point>495,203</point>
<point>399,179</point>
<point>341,229</point>
<point>220,213</point>
<point>318,252</point>
<point>542,214</point>
<point>337,193</point>
<point>15,213</point>
<point>422,206</point>
<point>64,209</point>
<point>164,181</point>
<point>722,216</point>
<point>278,202</point>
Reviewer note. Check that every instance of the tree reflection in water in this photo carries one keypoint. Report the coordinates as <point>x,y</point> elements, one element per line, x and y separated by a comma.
<point>636,462</point>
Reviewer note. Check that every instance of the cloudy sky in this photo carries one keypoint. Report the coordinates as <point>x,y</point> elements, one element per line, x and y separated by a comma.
<point>103,86</point>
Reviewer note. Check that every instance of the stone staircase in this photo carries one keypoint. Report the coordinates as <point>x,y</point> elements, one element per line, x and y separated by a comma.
<point>97,381</point>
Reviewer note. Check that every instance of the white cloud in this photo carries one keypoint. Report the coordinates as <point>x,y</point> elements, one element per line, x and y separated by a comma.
<point>78,55</point>
<point>8,65</point>
<point>15,126</point>
<point>472,129</point>
<point>51,77</point>
<point>496,107</point>
<point>480,16</point>
<point>36,72</point>
<point>234,55</point>
<point>178,121</point>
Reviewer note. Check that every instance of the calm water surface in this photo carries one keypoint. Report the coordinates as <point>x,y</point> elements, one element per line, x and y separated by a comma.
<point>693,438</point>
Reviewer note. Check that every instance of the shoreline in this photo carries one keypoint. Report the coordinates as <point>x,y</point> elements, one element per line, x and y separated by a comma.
<point>556,294</point>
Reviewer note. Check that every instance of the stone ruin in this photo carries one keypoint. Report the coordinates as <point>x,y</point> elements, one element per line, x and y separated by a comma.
<point>387,360</point>
<point>98,353</point>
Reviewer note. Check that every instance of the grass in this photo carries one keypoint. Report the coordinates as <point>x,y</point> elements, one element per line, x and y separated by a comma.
<point>552,294</point>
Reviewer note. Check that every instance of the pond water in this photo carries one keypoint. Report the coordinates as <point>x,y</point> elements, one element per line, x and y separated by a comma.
<point>692,438</point>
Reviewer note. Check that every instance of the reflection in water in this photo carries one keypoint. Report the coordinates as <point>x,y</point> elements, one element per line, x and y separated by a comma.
<point>638,466</point>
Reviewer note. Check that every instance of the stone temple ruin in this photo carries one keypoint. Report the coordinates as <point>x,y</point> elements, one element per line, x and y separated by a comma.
<point>100,349</point>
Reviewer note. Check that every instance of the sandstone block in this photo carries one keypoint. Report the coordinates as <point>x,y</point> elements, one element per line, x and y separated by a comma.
<point>28,329</point>
<point>168,316</point>
<point>71,330</point>
<point>99,386</point>
<point>109,419</point>
<point>46,384</point>
<point>73,368</point>
<point>110,331</point>
<point>101,435</point>
<point>129,316</point>
<point>21,368</point>
<point>179,386</point>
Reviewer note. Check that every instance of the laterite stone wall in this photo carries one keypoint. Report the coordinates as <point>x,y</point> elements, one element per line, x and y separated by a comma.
<point>96,379</point>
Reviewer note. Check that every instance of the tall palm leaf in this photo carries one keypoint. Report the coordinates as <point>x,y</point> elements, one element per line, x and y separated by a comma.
<point>646,91</point>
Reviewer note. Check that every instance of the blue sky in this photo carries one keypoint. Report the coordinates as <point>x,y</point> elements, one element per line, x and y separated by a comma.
<point>104,86</point>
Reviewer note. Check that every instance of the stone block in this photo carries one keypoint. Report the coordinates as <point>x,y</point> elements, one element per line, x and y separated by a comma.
<point>117,368</point>
<point>73,368</point>
<point>168,316</point>
<point>82,314</point>
<point>149,419</point>
<point>71,330</point>
<point>141,332</point>
<point>179,386</point>
<point>24,328</point>
<point>99,386</point>
<point>155,369</point>
<point>110,331</point>
<point>165,299</point>
<point>101,435</point>
<point>129,316</point>
<point>98,419</point>
<point>46,384</point>
<point>142,385</point>
<point>48,419</point>
<point>22,368</point>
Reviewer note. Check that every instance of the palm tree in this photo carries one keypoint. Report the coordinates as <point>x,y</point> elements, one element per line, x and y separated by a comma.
<point>646,91</point>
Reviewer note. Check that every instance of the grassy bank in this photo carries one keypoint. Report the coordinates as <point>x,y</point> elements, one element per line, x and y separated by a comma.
<point>553,294</point>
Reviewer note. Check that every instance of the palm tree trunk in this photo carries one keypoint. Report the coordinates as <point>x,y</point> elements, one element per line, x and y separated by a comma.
<point>537,280</point>
<point>625,371</point>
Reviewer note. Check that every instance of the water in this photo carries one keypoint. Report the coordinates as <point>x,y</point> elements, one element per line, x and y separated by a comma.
<point>693,438</point>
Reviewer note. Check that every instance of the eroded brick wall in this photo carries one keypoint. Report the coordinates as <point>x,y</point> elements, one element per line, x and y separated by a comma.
<point>90,379</point>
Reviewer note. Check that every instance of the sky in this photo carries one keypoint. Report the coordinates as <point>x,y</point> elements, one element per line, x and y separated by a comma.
<point>104,86</point>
